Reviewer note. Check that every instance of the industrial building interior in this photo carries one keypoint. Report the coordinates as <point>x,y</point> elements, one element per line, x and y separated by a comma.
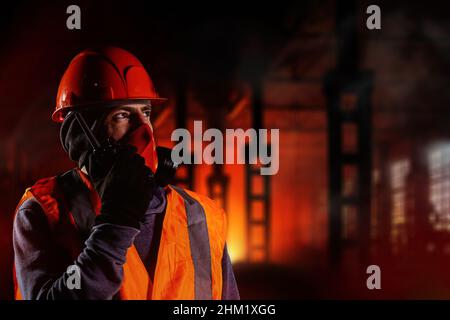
<point>364,152</point>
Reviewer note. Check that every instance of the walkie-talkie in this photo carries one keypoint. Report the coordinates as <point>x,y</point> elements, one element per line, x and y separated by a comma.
<point>100,150</point>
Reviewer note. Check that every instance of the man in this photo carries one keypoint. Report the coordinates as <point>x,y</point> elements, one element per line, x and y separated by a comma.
<point>111,221</point>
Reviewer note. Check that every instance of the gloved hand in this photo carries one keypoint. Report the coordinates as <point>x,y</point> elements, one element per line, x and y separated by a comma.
<point>125,186</point>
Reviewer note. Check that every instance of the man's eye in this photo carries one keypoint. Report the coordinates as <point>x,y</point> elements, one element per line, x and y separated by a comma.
<point>147,113</point>
<point>121,115</point>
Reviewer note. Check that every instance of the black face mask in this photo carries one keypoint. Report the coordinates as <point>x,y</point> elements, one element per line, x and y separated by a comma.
<point>73,139</point>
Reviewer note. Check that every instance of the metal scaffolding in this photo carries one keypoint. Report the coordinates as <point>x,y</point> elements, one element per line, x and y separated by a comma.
<point>348,92</point>
<point>258,195</point>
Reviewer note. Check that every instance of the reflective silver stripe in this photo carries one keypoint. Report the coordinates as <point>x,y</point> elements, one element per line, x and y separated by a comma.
<point>199,244</point>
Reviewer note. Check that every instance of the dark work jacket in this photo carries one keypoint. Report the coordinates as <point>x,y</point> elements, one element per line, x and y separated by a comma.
<point>41,268</point>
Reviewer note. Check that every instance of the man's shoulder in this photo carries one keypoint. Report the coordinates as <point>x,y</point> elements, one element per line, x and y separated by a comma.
<point>49,182</point>
<point>29,202</point>
<point>29,214</point>
<point>215,215</point>
<point>196,196</point>
<point>205,201</point>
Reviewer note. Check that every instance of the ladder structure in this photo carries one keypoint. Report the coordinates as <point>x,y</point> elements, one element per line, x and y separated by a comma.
<point>218,186</point>
<point>353,205</point>
<point>348,94</point>
<point>258,207</point>
<point>258,196</point>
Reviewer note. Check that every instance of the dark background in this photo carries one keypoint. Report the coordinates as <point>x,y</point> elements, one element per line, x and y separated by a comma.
<point>282,65</point>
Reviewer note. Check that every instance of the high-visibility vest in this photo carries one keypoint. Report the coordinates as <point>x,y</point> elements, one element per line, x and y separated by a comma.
<point>190,251</point>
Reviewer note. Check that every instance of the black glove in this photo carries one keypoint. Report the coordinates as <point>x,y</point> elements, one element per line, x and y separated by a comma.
<point>125,186</point>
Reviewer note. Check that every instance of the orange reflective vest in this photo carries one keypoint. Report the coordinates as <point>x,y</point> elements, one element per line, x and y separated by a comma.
<point>190,252</point>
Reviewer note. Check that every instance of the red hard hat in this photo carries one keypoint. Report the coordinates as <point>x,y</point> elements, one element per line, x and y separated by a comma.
<point>110,75</point>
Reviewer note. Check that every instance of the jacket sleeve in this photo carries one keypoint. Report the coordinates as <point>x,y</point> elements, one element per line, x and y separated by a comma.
<point>229,286</point>
<point>43,271</point>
